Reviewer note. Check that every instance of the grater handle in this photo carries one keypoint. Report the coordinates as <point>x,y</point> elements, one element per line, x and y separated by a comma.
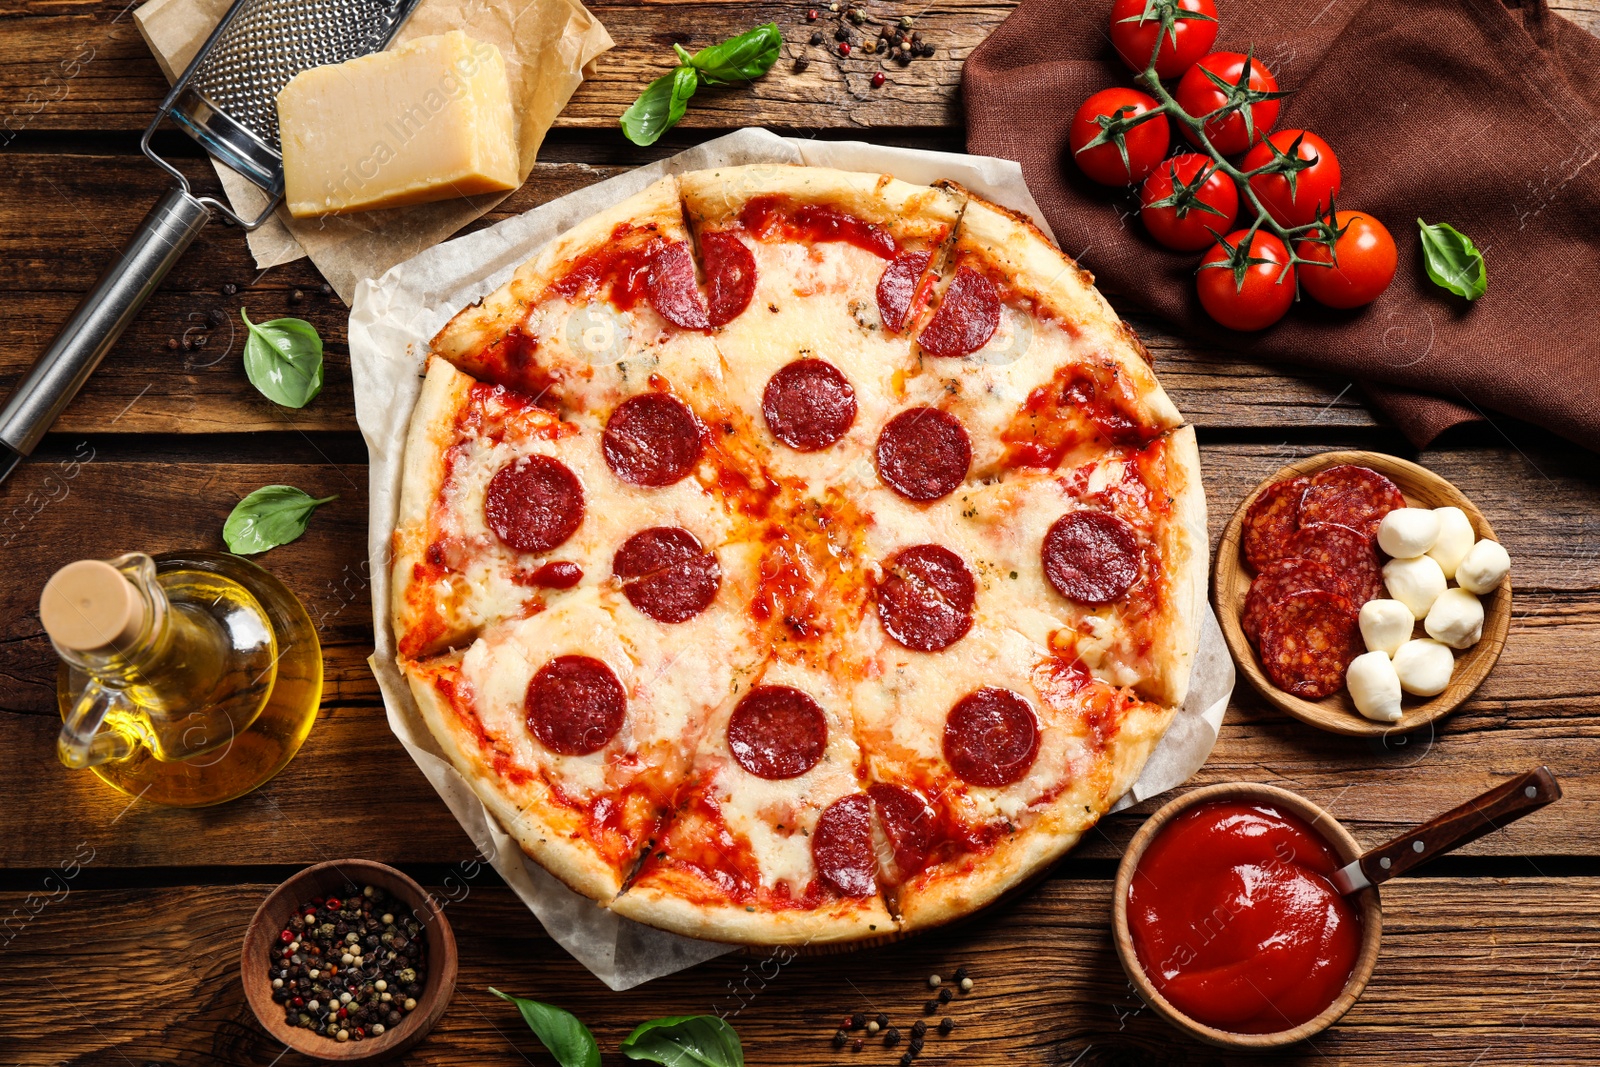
<point>169,229</point>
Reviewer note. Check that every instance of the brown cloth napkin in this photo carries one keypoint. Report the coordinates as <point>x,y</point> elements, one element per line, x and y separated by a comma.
<point>1461,111</point>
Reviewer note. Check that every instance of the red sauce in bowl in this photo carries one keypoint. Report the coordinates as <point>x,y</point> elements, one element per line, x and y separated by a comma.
<point>1235,922</point>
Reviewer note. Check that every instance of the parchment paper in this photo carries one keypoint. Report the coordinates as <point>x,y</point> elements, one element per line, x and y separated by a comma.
<point>390,325</point>
<point>547,44</point>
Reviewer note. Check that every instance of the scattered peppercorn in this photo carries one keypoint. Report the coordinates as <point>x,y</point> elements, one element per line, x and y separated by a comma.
<point>816,37</point>
<point>934,981</point>
<point>325,289</point>
<point>877,79</point>
<point>811,16</point>
<point>857,1045</point>
<point>961,972</point>
<point>841,34</point>
<point>946,994</point>
<point>906,21</point>
<point>855,17</point>
<point>296,297</point>
<point>345,973</point>
<point>839,1038</point>
<point>930,1007</point>
<point>857,1021</point>
<point>800,64</point>
<point>844,48</point>
<point>906,1060</point>
<point>966,985</point>
<point>200,341</point>
<point>228,289</point>
<point>172,344</point>
<point>882,1020</point>
<point>948,1024</point>
<point>891,1037</point>
<point>872,1026</point>
<point>914,1046</point>
<point>919,1028</point>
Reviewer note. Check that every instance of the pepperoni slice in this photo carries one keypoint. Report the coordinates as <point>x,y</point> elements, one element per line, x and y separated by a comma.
<point>809,404</point>
<point>1279,578</point>
<point>923,454</point>
<point>841,846</point>
<point>925,598</point>
<point>730,276</point>
<point>1350,553</point>
<point>652,439</point>
<point>1271,521</point>
<point>907,821</point>
<point>1091,556</point>
<point>897,288</point>
<point>991,737</point>
<point>534,503</point>
<point>777,732</point>
<point>967,317</point>
<point>1351,496</point>
<point>671,288</point>
<point>575,705</point>
<point>1308,640</point>
<point>666,574</point>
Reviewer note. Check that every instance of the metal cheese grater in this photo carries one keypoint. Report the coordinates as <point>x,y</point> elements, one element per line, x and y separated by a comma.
<point>226,100</point>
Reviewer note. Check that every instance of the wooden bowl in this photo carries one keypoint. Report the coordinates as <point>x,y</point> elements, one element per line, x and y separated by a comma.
<point>1342,844</point>
<point>319,881</point>
<point>1337,713</point>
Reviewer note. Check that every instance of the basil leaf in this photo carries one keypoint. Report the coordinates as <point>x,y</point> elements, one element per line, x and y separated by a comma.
<point>1452,260</point>
<point>660,106</point>
<point>685,1041</point>
<point>271,516</point>
<point>739,59</point>
<point>568,1040</point>
<point>283,358</point>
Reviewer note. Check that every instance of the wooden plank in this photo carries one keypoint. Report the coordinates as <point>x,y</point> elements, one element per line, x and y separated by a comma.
<point>48,262</point>
<point>1472,971</point>
<point>1540,704</point>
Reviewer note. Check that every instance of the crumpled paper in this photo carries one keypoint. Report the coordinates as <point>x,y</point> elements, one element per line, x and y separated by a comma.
<point>391,322</point>
<point>547,44</point>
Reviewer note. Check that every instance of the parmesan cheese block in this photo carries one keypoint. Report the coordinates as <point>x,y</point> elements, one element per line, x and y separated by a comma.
<point>428,120</point>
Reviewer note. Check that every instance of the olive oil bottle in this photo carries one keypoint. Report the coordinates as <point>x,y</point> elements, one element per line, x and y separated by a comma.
<point>187,678</point>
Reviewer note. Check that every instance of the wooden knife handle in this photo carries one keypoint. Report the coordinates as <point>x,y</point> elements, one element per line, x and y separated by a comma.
<point>1505,803</point>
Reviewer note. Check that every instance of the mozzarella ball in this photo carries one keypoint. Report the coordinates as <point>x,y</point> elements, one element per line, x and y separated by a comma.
<point>1454,541</point>
<point>1483,568</point>
<point>1456,619</point>
<point>1416,583</point>
<point>1386,625</point>
<point>1423,666</point>
<point>1374,686</point>
<point>1406,533</point>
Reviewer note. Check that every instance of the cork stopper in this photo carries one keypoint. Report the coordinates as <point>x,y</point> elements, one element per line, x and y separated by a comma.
<point>90,606</point>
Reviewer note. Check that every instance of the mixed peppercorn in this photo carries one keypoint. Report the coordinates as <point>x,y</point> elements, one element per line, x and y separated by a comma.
<point>876,1026</point>
<point>895,40</point>
<point>349,967</point>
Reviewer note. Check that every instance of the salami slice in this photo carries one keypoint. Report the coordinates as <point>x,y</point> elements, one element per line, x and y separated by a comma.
<point>1353,555</point>
<point>925,598</point>
<point>1091,556</point>
<point>809,404</point>
<point>907,821</point>
<point>671,288</point>
<point>652,439</point>
<point>534,503</point>
<point>575,705</point>
<point>991,737</point>
<point>923,454</point>
<point>666,574</point>
<point>967,317</point>
<point>897,288</point>
<point>1273,518</point>
<point>1307,642</point>
<point>1278,579</point>
<point>1348,495</point>
<point>730,276</point>
<point>841,846</point>
<point>557,574</point>
<point>777,732</point>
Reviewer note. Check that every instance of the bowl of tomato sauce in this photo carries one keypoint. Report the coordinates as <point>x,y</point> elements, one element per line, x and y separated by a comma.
<point>1228,925</point>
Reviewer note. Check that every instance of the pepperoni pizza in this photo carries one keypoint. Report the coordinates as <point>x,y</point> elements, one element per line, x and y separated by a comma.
<point>788,554</point>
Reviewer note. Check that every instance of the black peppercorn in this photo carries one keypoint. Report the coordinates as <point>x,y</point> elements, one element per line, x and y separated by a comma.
<point>945,994</point>
<point>915,1046</point>
<point>841,34</point>
<point>946,1025</point>
<point>228,289</point>
<point>882,1020</point>
<point>961,972</point>
<point>839,1039</point>
<point>857,1021</point>
<point>816,38</point>
<point>930,1007</point>
<point>215,317</point>
<point>891,1038</point>
<point>919,1028</point>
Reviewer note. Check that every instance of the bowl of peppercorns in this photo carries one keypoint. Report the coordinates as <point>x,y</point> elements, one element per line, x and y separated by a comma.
<point>349,961</point>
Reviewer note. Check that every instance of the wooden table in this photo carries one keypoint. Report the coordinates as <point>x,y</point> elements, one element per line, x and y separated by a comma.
<point>121,923</point>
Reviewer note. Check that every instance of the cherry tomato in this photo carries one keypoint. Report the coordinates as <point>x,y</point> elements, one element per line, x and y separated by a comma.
<point>1365,261</point>
<point>1314,188</point>
<point>1137,24</point>
<point>1199,97</point>
<point>1267,290</point>
<point>1146,142</point>
<point>1192,228</point>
